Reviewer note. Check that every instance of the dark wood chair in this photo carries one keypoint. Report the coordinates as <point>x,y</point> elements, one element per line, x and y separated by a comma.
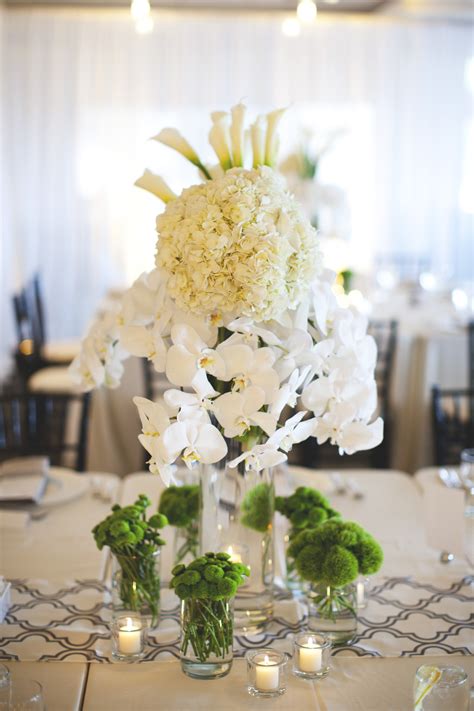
<point>45,424</point>
<point>311,454</point>
<point>453,424</point>
<point>470,330</point>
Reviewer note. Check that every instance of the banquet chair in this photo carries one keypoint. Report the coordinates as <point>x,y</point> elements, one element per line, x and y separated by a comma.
<point>53,425</point>
<point>471,354</point>
<point>453,424</point>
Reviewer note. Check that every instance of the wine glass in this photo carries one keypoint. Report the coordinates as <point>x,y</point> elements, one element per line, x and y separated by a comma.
<point>27,695</point>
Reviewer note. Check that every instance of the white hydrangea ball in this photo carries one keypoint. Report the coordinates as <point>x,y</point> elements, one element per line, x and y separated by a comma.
<point>237,245</point>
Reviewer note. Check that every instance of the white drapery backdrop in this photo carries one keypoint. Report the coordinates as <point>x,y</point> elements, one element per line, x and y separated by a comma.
<point>82,93</point>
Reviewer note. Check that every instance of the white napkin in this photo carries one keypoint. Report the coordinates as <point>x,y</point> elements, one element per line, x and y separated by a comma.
<point>23,479</point>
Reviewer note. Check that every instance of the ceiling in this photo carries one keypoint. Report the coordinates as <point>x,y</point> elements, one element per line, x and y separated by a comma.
<point>450,9</point>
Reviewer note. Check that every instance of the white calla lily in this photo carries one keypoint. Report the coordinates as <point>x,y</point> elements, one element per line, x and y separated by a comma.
<point>188,354</point>
<point>173,139</point>
<point>219,138</point>
<point>195,441</point>
<point>155,184</point>
<point>258,134</point>
<point>237,412</point>
<point>271,138</point>
<point>237,134</point>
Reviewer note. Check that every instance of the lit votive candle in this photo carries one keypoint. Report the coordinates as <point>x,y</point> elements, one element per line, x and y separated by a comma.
<point>311,655</point>
<point>266,669</point>
<point>362,592</point>
<point>235,556</point>
<point>128,637</point>
<point>238,552</point>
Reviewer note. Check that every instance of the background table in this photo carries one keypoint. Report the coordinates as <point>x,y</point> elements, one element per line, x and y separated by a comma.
<point>63,684</point>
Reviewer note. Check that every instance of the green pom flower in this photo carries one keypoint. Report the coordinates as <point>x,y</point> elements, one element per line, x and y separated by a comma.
<point>305,508</point>
<point>213,573</point>
<point>210,577</point>
<point>335,553</point>
<point>180,505</point>
<point>257,508</point>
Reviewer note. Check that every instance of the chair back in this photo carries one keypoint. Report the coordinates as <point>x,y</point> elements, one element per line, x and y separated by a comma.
<point>385,334</point>
<point>453,424</point>
<point>53,425</point>
<point>471,354</point>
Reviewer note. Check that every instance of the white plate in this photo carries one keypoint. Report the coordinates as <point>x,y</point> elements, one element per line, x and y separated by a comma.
<point>64,485</point>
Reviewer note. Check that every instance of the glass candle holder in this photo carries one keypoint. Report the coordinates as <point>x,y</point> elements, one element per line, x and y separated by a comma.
<point>266,672</point>
<point>362,586</point>
<point>311,654</point>
<point>441,688</point>
<point>128,637</point>
<point>238,552</point>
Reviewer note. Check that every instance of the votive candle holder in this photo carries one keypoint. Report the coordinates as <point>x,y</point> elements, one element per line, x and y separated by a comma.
<point>266,672</point>
<point>129,634</point>
<point>311,653</point>
<point>362,586</point>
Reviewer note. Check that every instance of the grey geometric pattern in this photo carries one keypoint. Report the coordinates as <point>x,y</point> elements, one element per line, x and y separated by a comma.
<point>404,617</point>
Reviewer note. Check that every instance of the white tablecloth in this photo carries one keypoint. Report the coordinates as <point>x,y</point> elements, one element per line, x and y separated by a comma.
<point>352,685</point>
<point>60,545</point>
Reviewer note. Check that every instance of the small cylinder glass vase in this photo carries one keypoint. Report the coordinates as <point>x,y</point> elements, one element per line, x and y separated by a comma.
<point>136,585</point>
<point>237,508</point>
<point>266,672</point>
<point>333,611</point>
<point>186,544</point>
<point>311,653</point>
<point>207,632</point>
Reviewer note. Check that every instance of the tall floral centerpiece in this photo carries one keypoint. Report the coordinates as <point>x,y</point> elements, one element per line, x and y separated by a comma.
<point>240,315</point>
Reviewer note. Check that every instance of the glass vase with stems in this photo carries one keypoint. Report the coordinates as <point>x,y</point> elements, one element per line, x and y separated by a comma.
<point>237,507</point>
<point>333,611</point>
<point>207,632</point>
<point>136,584</point>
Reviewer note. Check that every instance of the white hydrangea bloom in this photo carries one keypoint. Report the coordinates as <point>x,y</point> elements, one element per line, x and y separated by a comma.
<point>238,244</point>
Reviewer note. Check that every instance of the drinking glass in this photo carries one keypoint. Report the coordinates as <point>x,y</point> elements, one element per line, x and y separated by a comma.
<point>433,692</point>
<point>27,696</point>
<point>5,688</point>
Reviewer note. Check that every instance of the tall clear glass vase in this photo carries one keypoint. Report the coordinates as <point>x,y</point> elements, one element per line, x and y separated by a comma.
<point>237,508</point>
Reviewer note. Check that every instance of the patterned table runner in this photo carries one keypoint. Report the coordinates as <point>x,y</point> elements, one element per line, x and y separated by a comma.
<point>404,617</point>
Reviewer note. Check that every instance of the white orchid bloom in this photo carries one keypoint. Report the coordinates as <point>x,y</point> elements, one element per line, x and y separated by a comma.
<point>195,441</point>
<point>261,456</point>
<point>237,412</point>
<point>206,328</point>
<point>173,139</point>
<point>156,465</point>
<point>219,138</point>
<point>237,134</point>
<point>324,301</point>
<point>293,432</point>
<point>145,342</point>
<point>296,349</point>
<point>248,367</point>
<point>288,393</point>
<point>245,325</point>
<point>155,185</point>
<point>340,427</point>
<point>317,396</point>
<point>189,353</point>
<point>87,370</point>
<point>257,134</point>
<point>271,139</point>
<point>193,405</point>
<point>147,302</point>
<point>153,416</point>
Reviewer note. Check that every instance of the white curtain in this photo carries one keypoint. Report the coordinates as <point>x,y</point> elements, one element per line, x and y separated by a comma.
<point>82,93</point>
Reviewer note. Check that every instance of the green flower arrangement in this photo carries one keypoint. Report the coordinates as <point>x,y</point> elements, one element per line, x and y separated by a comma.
<point>305,508</point>
<point>333,555</point>
<point>180,505</point>
<point>134,540</point>
<point>206,586</point>
<point>257,508</point>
